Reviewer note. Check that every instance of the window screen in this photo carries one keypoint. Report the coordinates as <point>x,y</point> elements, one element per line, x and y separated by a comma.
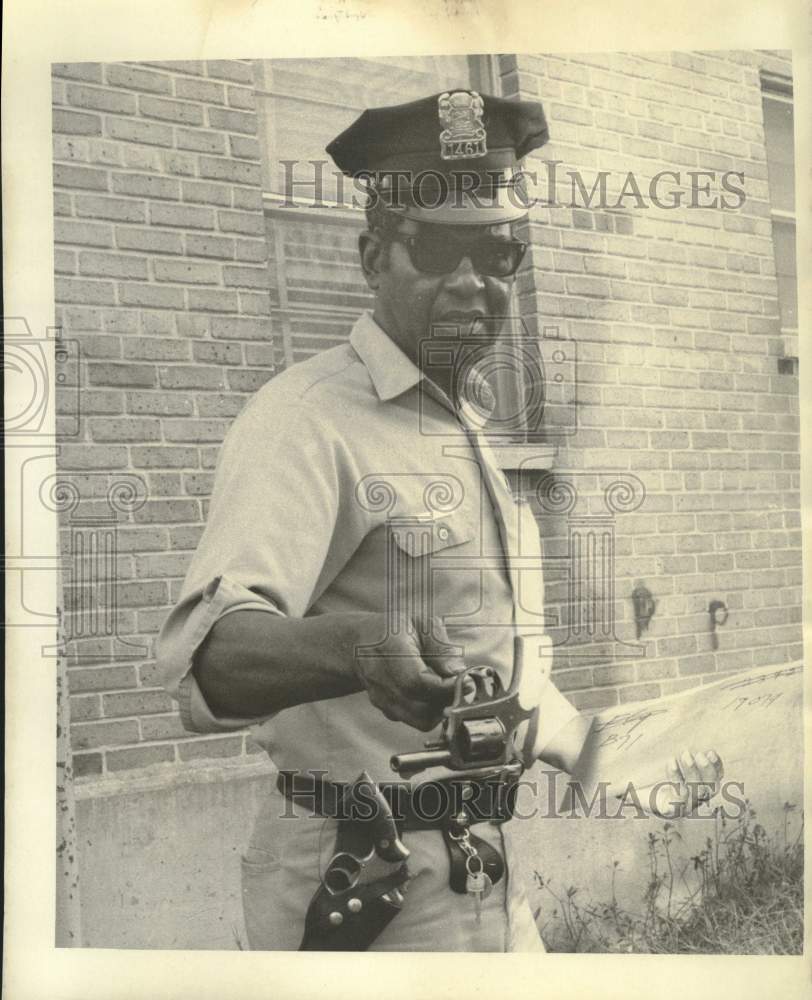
<point>780,152</point>
<point>786,270</point>
<point>306,102</point>
<point>778,134</point>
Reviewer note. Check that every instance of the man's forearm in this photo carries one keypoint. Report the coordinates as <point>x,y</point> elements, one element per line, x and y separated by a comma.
<point>254,663</point>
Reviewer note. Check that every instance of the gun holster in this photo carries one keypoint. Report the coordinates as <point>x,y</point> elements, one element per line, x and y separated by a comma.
<point>361,888</point>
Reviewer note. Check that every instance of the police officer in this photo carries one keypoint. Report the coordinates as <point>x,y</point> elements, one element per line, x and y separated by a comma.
<point>361,548</point>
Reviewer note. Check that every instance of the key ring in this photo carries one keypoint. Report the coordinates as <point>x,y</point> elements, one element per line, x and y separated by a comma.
<point>472,868</point>
<point>464,840</point>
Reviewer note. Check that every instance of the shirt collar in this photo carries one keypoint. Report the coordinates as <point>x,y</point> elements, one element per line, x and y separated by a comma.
<point>393,373</point>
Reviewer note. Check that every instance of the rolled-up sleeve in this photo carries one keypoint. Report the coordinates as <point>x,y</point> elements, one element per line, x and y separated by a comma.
<point>183,633</point>
<point>275,475</point>
<point>556,713</point>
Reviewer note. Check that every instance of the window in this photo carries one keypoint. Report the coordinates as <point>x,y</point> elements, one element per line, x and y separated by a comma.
<point>778,134</point>
<point>317,289</point>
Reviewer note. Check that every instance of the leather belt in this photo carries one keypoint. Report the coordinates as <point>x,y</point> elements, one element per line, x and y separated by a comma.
<point>433,805</point>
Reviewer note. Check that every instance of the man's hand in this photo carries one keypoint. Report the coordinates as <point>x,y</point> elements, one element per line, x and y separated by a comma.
<point>409,675</point>
<point>692,779</point>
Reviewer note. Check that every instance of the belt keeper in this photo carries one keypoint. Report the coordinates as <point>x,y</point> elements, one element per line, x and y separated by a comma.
<point>492,862</point>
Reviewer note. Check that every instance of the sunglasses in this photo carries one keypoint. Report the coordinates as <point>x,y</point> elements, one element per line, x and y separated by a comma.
<point>435,254</point>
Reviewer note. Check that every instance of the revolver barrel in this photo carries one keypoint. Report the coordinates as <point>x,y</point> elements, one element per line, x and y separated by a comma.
<point>410,763</point>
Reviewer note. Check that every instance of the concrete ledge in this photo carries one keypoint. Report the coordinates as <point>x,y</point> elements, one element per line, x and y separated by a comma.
<point>157,777</point>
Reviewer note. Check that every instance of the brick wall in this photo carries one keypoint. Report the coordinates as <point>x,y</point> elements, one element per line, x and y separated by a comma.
<point>675,318</point>
<point>161,279</point>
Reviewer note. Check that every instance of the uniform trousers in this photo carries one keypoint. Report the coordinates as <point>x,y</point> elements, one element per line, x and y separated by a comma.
<point>289,847</point>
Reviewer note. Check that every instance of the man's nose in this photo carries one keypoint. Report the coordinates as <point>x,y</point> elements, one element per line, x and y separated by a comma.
<point>465,279</point>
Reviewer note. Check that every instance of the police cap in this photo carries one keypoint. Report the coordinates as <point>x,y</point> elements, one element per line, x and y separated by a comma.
<point>450,158</point>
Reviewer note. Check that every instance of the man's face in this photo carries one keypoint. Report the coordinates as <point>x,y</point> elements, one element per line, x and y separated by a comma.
<point>412,302</point>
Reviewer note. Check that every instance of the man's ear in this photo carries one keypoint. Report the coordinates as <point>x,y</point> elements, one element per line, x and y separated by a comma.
<point>370,247</point>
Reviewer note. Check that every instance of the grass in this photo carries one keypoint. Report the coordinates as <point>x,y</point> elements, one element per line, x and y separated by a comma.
<point>742,894</point>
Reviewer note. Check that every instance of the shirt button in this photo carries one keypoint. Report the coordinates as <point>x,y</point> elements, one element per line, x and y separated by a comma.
<point>442,533</point>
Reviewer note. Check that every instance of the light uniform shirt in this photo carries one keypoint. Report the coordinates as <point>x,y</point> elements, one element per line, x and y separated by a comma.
<point>350,483</point>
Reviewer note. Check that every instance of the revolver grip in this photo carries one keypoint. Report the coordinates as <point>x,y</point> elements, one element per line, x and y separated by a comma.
<point>366,802</point>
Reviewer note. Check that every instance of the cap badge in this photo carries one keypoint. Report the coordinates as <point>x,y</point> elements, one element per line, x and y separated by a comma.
<point>463,135</point>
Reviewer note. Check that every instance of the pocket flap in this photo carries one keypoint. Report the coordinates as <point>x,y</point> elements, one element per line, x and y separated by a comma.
<point>425,536</point>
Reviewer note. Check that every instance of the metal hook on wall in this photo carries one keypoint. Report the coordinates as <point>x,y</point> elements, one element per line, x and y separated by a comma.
<point>644,608</point>
<point>718,616</point>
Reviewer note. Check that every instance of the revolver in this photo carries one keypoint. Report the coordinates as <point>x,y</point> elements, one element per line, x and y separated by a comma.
<point>480,731</point>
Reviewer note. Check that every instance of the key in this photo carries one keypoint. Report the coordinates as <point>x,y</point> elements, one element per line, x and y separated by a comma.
<point>477,884</point>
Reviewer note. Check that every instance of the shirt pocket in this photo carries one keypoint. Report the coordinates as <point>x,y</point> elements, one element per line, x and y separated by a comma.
<point>422,535</point>
<point>432,569</point>
<point>258,861</point>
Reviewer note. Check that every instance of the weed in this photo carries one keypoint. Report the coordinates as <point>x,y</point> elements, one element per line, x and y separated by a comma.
<point>741,894</point>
